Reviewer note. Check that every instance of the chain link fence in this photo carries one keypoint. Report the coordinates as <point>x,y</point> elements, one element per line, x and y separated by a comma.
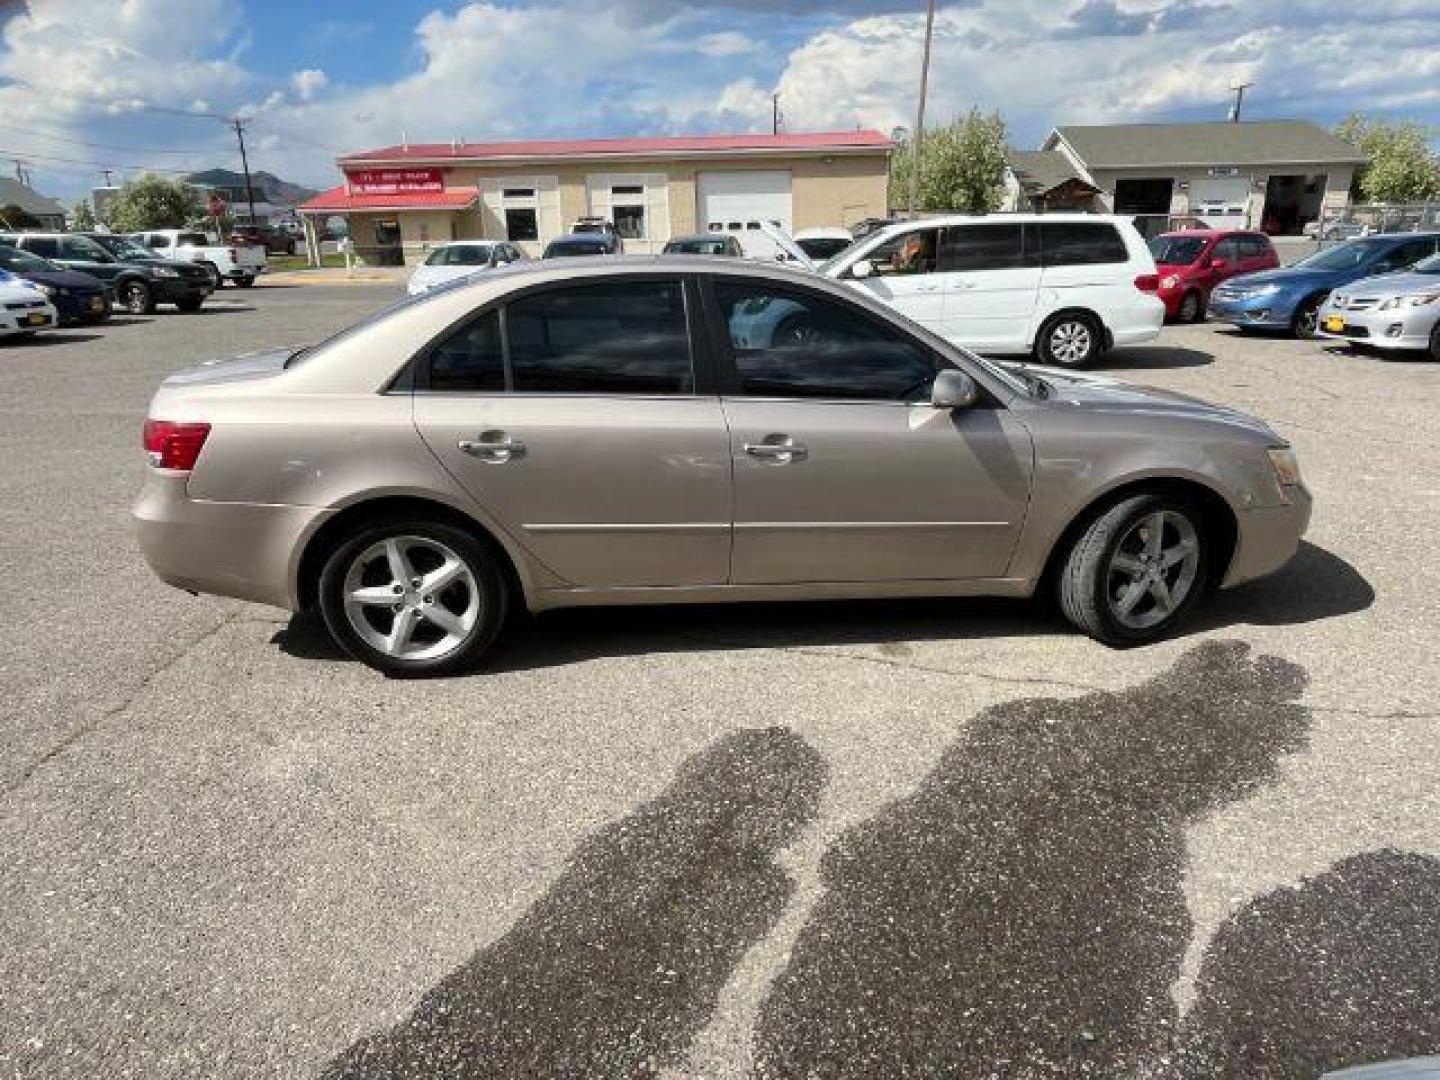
<point>1339,223</point>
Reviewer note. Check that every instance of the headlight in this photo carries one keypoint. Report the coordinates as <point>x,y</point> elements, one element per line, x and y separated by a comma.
<point>1263,290</point>
<point>48,290</point>
<point>1169,281</point>
<point>164,271</point>
<point>1412,300</point>
<point>1286,466</point>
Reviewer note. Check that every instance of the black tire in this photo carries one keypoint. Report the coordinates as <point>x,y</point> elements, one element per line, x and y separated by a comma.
<point>244,282</point>
<point>1084,582</point>
<point>136,297</point>
<point>1191,310</point>
<point>1303,323</point>
<point>190,304</point>
<point>1435,343</point>
<point>1075,327</point>
<point>215,279</point>
<point>486,573</point>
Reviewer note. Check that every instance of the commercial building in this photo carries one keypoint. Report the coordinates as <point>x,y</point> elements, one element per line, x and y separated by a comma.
<point>1271,174</point>
<point>400,201</point>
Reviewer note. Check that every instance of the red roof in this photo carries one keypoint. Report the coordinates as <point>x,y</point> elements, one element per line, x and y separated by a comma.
<point>338,199</point>
<point>677,144</point>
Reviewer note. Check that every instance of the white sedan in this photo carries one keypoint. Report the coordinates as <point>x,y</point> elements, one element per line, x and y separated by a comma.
<point>24,308</point>
<point>461,258</point>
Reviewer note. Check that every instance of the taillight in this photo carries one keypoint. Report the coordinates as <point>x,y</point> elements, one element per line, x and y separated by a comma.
<point>1148,283</point>
<point>172,445</point>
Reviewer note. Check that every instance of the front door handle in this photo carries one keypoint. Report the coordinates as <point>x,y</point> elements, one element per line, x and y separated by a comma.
<point>493,446</point>
<point>781,449</point>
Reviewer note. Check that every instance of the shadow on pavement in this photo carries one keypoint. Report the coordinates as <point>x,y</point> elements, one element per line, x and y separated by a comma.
<point>1316,585</point>
<point>1022,915</point>
<point>1153,357</point>
<point>619,965</point>
<point>60,336</point>
<point>1341,970</point>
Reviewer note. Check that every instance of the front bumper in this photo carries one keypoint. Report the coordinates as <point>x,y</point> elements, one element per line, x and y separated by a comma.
<point>1268,537</point>
<point>250,551</point>
<point>24,320</point>
<point>82,307</point>
<point>1271,312</point>
<point>1399,328</point>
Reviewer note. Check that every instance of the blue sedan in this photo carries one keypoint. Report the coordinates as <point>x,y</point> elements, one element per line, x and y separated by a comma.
<point>1289,298</point>
<point>78,298</point>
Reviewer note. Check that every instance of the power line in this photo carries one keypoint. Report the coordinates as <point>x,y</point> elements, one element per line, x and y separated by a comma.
<point>103,146</point>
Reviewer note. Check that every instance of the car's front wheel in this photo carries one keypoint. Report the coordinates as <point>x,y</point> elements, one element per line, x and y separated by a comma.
<point>1069,340</point>
<point>1135,571</point>
<point>1190,310</point>
<point>413,598</point>
<point>136,298</point>
<point>189,304</point>
<point>1306,320</point>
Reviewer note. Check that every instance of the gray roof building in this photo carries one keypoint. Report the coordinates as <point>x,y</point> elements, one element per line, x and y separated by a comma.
<point>14,193</point>
<point>1251,143</point>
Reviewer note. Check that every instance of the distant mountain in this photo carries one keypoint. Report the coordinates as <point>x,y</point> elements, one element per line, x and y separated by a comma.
<point>267,186</point>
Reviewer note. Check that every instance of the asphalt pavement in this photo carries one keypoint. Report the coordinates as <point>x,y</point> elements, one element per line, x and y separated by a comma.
<point>940,838</point>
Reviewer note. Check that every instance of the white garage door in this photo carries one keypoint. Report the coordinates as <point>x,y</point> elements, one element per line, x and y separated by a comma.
<point>1220,199</point>
<point>736,201</point>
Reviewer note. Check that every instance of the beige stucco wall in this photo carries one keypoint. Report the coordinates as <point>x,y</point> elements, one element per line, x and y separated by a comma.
<point>838,189</point>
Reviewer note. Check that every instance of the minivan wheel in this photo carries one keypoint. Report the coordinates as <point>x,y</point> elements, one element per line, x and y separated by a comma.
<point>1189,308</point>
<point>1068,341</point>
<point>413,598</point>
<point>1136,570</point>
<point>136,298</point>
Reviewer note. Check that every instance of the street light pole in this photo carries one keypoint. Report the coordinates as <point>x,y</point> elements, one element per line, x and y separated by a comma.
<point>920,112</point>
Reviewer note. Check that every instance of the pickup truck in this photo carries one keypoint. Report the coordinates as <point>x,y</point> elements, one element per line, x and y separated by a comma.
<point>226,262</point>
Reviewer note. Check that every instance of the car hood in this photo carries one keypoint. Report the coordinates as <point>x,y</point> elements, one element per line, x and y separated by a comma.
<point>1285,276</point>
<point>62,279</point>
<point>1081,390</point>
<point>1383,285</point>
<point>256,365</point>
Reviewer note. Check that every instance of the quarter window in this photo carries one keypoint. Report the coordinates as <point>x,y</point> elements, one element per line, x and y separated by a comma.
<point>471,358</point>
<point>982,247</point>
<point>1080,243</point>
<point>794,344</point>
<point>616,338</point>
<point>45,247</point>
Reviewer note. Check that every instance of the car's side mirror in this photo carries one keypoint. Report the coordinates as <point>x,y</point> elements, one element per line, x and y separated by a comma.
<point>862,269</point>
<point>953,390</point>
<point>1218,264</point>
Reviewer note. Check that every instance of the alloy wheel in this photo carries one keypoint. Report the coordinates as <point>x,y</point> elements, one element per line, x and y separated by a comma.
<point>1190,308</point>
<point>411,598</point>
<point>1070,342</point>
<point>135,298</point>
<point>1153,569</point>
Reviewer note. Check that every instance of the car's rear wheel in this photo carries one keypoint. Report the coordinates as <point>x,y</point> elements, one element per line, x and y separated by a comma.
<point>1189,308</point>
<point>1307,316</point>
<point>1069,340</point>
<point>1136,570</point>
<point>189,304</point>
<point>244,282</point>
<point>413,598</point>
<point>136,297</point>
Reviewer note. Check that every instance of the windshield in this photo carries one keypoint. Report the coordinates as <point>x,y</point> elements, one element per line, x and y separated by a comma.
<point>1346,256</point>
<point>460,255</point>
<point>695,247</point>
<point>824,247</point>
<point>1177,250</point>
<point>124,247</point>
<point>23,262</point>
<point>559,250</point>
<point>192,239</point>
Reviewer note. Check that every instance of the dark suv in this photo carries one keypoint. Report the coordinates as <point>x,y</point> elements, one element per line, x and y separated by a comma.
<point>137,284</point>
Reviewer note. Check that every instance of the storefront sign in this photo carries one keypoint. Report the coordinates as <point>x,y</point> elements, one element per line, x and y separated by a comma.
<point>394,181</point>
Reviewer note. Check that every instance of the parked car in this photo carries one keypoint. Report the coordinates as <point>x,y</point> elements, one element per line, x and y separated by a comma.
<point>274,241</point>
<point>459,258</point>
<point>821,244</point>
<point>24,309</point>
<point>1335,230</point>
<point>78,298</point>
<point>225,262</point>
<point>588,243</point>
<point>602,436</point>
<point>704,244</point>
<point>593,225</point>
<point>1289,298</point>
<point>1192,262</point>
<point>137,285</point>
<point>1063,286</point>
<point>1393,312</point>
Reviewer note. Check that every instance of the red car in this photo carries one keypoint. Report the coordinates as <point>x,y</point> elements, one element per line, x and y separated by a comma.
<point>1193,261</point>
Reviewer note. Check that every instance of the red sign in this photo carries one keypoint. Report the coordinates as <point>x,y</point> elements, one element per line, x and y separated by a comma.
<point>217,205</point>
<point>394,181</point>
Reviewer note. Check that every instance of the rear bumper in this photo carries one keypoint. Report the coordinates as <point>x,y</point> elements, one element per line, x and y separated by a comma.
<point>88,308</point>
<point>1136,322</point>
<point>249,551</point>
<point>1268,538</point>
<point>1400,329</point>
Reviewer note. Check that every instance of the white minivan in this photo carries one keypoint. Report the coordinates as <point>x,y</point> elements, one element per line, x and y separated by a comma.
<point>1064,287</point>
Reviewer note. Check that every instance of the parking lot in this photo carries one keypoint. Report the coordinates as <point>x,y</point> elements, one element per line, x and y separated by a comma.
<point>895,838</point>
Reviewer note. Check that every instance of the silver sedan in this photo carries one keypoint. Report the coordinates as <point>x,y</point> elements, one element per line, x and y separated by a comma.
<point>605,432</point>
<point>1392,312</point>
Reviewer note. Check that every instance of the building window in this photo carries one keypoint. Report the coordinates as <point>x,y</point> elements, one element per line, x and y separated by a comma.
<point>630,222</point>
<point>628,189</point>
<point>518,193</point>
<point>521,223</point>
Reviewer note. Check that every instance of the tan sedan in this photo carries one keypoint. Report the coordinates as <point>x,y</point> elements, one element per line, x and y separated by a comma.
<point>681,430</point>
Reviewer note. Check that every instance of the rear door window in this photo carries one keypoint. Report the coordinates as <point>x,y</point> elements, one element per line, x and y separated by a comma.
<point>1081,243</point>
<point>982,247</point>
<point>613,338</point>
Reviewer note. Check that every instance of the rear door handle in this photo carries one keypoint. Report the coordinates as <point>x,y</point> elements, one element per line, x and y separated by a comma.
<point>781,449</point>
<point>493,446</point>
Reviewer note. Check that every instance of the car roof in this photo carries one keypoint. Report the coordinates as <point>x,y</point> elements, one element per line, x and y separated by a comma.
<point>700,236</point>
<point>824,232</point>
<point>1217,234</point>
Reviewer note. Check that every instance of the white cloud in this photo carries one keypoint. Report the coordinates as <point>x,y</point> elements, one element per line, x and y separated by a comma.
<point>725,43</point>
<point>308,81</point>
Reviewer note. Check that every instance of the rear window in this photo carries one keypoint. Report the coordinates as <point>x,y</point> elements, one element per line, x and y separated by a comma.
<point>192,239</point>
<point>1081,243</point>
<point>1177,250</point>
<point>459,255</point>
<point>557,251</point>
<point>696,247</point>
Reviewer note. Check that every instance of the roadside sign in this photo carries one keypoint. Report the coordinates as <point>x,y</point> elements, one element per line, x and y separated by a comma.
<point>217,205</point>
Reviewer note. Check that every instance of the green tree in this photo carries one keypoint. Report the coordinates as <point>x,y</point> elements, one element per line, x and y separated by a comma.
<point>82,217</point>
<point>1402,167</point>
<point>154,202</point>
<point>962,166</point>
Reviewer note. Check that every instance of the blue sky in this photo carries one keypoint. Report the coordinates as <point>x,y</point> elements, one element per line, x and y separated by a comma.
<point>85,84</point>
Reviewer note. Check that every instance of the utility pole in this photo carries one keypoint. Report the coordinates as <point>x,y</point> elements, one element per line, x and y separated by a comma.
<point>775,114</point>
<point>106,174</point>
<point>22,171</point>
<point>920,112</point>
<point>1239,98</point>
<point>239,126</point>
